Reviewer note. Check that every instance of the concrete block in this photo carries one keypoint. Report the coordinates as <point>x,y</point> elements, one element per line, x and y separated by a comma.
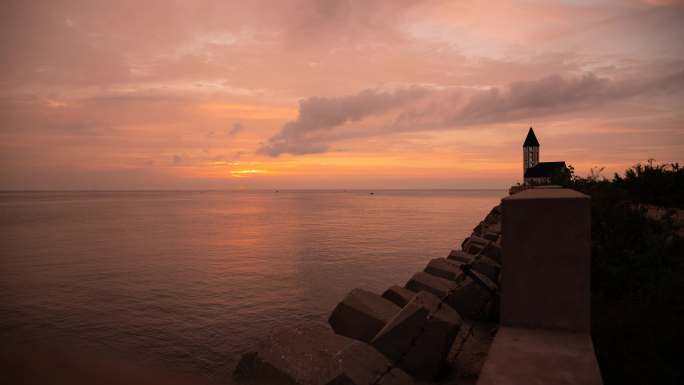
<point>301,355</point>
<point>398,295</point>
<point>361,364</point>
<point>478,245</point>
<point>490,235</point>
<point>483,265</point>
<point>445,268</point>
<point>314,355</point>
<point>547,263</point>
<point>478,240</point>
<point>494,215</point>
<point>420,336</point>
<point>430,283</point>
<point>495,227</point>
<point>470,298</point>
<point>469,350</point>
<point>473,298</point>
<point>460,256</point>
<point>479,228</point>
<point>361,315</point>
<point>487,267</point>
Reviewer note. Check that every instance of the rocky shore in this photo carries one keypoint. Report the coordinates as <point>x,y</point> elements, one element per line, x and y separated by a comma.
<point>436,328</point>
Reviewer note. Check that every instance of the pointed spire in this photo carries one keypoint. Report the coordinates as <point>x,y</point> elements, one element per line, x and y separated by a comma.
<point>531,139</point>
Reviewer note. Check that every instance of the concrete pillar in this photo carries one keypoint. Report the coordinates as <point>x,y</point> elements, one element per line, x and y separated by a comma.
<point>546,257</point>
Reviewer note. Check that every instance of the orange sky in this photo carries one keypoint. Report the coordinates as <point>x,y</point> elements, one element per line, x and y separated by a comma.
<point>332,94</point>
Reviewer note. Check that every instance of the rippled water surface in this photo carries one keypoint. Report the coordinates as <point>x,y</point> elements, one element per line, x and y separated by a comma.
<point>190,280</point>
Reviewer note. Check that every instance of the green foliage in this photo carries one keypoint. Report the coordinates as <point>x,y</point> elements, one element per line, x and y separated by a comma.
<point>637,273</point>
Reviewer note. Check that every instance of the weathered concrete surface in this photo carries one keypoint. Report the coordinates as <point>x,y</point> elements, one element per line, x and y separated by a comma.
<point>301,355</point>
<point>420,336</point>
<point>442,267</point>
<point>469,351</point>
<point>314,355</point>
<point>521,356</point>
<point>547,251</point>
<point>360,364</point>
<point>398,295</point>
<point>361,315</point>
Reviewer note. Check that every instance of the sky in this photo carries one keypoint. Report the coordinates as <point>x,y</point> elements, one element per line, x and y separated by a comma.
<point>299,94</point>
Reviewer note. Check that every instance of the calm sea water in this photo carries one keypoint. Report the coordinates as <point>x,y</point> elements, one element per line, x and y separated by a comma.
<point>190,280</point>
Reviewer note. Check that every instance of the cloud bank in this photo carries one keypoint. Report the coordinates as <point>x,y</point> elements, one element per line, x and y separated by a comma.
<point>323,121</point>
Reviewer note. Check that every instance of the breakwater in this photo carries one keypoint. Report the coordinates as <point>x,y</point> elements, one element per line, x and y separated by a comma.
<point>437,326</point>
<point>511,306</point>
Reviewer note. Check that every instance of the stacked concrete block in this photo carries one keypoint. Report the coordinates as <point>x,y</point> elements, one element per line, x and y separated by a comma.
<point>472,296</point>
<point>490,227</point>
<point>314,355</point>
<point>361,315</point>
<point>482,264</point>
<point>490,235</point>
<point>398,295</point>
<point>438,286</point>
<point>479,228</point>
<point>478,245</point>
<point>495,227</point>
<point>419,338</point>
<point>444,268</point>
<point>460,256</point>
<point>494,215</point>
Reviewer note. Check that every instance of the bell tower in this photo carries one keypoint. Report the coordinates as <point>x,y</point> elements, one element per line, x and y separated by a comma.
<point>530,151</point>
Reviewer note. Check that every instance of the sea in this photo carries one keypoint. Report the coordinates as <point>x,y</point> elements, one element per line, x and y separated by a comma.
<point>188,281</point>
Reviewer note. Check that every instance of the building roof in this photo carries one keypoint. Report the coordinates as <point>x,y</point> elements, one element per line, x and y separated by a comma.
<point>544,169</point>
<point>531,139</point>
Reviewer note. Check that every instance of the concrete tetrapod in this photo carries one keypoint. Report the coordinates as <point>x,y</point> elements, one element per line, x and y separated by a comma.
<point>436,285</point>
<point>460,256</point>
<point>361,315</point>
<point>478,245</point>
<point>442,267</point>
<point>490,235</point>
<point>419,338</point>
<point>400,296</point>
<point>314,355</point>
<point>475,297</point>
<point>471,298</point>
<point>483,264</point>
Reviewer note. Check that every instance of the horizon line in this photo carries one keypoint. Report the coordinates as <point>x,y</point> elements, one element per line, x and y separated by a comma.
<point>255,189</point>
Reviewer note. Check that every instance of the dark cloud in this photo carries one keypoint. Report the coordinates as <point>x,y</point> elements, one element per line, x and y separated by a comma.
<point>323,121</point>
<point>556,94</point>
<point>319,115</point>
